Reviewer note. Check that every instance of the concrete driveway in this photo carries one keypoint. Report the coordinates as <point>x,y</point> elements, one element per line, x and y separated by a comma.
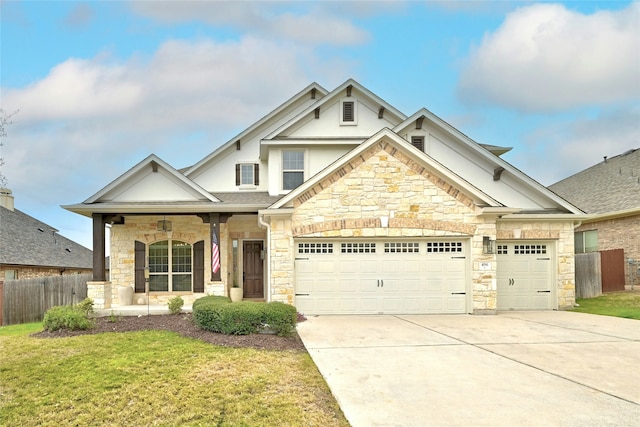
<point>513,369</point>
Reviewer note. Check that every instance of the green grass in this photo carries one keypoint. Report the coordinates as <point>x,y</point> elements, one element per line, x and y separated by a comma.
<point>618,304</point>
<point>156,378</point>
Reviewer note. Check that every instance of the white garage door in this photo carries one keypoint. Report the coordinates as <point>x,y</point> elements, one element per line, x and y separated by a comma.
<point>380,277</point>
<point>525,276</point>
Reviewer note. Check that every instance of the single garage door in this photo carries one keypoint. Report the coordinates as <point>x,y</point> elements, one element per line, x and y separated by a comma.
<point>380,277</point>
<point>525,276</point>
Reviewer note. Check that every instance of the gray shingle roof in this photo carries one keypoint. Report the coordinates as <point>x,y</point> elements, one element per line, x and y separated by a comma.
<point>610,186</point>
<point>26,241</point>
<point>249,198</point>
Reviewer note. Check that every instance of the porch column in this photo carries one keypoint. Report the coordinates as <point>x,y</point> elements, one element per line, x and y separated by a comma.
<point>98,247</point>
<point>214,226</point>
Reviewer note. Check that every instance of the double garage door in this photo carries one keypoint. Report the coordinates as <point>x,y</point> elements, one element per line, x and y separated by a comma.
<point>381,277</point>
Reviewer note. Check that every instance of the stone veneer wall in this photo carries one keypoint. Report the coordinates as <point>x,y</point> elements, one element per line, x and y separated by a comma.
<point>383,182</point>
<point>560,232</point>
<point>620,233</point>
<point>189,229</point>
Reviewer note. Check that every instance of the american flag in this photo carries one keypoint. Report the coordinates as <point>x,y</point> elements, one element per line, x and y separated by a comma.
<point>215,253</point>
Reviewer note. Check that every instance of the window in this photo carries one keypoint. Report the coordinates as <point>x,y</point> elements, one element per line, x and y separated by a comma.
<point>292,169</point>
<point>170,266</point>
<point>441,247</point>
<point>315,248</point>
<point>418,142</point>
<point>10,274</point>
<point>247,174</point>
<point>530,249</point>
<point>401,247</point>
<point>358,248</point>
<point>586,241</point>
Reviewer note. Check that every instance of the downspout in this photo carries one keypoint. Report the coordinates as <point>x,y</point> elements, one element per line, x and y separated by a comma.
<point>268,227</point>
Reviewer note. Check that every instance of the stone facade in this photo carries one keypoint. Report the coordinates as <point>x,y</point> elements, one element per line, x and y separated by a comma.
<point>384,193</point>
<point>189,229</point>
<point>620,233</point>
<point>558,232</point>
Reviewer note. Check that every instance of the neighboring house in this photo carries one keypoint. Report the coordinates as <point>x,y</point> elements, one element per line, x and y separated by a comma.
<point>30,248</point>
<point>610,193</point>
<point>339,203</point>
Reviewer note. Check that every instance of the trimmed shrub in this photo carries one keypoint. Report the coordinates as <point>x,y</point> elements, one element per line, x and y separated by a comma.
<point>280,317</point>
<point>66,317</point>
<point>211,299</point>
<point>175,305</point>
<point>243,318</point>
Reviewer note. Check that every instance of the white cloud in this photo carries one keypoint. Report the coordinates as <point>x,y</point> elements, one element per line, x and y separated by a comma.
<point>548,58</point>
<point>90,120</point>
<point>309,23</point>
<point>555,152</point>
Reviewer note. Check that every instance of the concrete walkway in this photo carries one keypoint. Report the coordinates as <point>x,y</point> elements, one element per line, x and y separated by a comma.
<point>513,369</point>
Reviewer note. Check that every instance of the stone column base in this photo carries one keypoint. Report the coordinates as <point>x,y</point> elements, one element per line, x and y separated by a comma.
<point>214,288</point>
<point>100,293</point>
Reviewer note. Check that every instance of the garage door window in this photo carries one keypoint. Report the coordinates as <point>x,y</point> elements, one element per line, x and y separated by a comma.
<point>401,247</point>
<point>315,248</point>
<point>530,249</point>
<point>358,248</point>
<point>440,247</point>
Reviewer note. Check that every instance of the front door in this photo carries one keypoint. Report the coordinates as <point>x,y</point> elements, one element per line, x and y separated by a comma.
<point>252,268</point>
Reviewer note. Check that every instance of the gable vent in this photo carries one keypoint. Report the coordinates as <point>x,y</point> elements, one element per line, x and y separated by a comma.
<point>347,111</point>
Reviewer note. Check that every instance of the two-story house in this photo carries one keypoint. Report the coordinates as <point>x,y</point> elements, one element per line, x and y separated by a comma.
<point>337,202</point>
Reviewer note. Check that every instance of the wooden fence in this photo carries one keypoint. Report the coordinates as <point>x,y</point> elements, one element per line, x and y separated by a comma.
<point>27,300</point>
<point>598,272</point>
<point>588,276</point>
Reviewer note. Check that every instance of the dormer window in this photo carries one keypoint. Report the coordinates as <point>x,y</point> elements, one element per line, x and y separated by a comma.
<point>349,112</point>
<point>247,174</point>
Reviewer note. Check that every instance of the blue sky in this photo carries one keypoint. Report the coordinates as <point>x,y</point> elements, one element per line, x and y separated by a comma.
<point>99,85</point>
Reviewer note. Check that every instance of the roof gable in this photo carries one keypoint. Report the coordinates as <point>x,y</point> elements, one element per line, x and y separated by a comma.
<point>266,124</point>
<point>322,120</point>
<point>412,158</point>
<point>151,180</point>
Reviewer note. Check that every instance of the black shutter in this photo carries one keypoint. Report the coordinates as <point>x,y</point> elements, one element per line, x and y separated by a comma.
<point>140,256</point>
<point>198,266</point>
<point>238,174</point>
<point>256,174</point>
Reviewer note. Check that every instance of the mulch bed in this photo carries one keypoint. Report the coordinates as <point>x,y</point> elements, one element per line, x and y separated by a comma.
<point>183,325</point>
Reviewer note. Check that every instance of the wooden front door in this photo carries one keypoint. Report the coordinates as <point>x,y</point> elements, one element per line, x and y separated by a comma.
<point>252,269</point>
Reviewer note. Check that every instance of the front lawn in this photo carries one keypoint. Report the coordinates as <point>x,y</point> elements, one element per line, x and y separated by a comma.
<point>156,378</point>
<point>618,304</point>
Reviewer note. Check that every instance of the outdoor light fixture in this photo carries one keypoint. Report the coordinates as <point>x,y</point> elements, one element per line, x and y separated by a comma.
<point>488,245</point>
<point>164,225</point>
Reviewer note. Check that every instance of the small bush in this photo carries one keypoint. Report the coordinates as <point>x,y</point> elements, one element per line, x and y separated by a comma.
<point>66,317</point>
<point>86,305</point>
<point>243,318</point>
<point>281,318</point>
<point>175,305</point>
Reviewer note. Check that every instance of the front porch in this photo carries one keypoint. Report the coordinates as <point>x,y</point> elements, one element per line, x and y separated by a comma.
<point>159,262</point>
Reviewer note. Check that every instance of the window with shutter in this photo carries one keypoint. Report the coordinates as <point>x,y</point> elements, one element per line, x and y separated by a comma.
<point>247,174</point>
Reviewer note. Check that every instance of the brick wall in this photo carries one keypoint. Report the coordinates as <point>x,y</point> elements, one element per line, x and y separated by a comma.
<point>620,233</point>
